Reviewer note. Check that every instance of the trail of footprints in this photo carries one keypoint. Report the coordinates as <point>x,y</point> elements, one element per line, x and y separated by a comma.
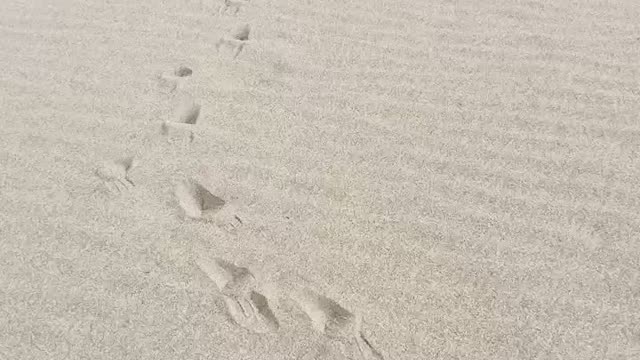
<point>250,309</point>
<point>241,292</point>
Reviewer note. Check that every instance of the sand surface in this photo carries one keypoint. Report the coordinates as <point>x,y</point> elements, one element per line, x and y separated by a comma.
<point>366,179</point>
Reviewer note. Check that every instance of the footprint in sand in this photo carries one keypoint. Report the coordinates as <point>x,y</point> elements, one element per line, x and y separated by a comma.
<point>115,174</point>
<point>334,321</point>
<point>184,118</point>
<point>231,6</point>
<point>172,81</point>
<point>246,306</point>
<point>235,40</point>
<point>199,203</point>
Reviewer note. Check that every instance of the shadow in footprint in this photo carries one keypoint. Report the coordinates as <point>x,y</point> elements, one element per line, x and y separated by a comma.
<point>262,305</point>
<point>242,32</point>
<point>196,201</point>
<point>182,71</point>
<point>334,321</point>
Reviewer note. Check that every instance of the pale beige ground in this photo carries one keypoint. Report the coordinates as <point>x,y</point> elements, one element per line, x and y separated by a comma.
<point>464,173</point>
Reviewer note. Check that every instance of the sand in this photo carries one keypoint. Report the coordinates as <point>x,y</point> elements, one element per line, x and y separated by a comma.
<point>364,180</point>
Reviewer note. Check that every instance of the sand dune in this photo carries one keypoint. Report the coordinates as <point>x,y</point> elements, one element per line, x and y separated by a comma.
<point>357,180</point>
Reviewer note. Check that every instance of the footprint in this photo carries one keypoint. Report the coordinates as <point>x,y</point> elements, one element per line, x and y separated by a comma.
<point>326,315</point>
<point>242,32</point>
<point>334,321</point>
<point>115,174</point>
<point>231,4</point>
<point>185,116</point>
<point>187,111</point>
<point>174,80</point>
<point>252,313</point>
<point>245,305</point>
<point>169,82</point>
<point>199,203</point>
<point>196,201</point>
<point>235,40</point>
<point>228,277</point>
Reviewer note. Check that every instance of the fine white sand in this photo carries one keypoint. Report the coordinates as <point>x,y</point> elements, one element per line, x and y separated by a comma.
<point>365,180</point>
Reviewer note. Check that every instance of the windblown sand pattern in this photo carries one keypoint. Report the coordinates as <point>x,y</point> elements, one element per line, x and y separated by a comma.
<point>466,171</point>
